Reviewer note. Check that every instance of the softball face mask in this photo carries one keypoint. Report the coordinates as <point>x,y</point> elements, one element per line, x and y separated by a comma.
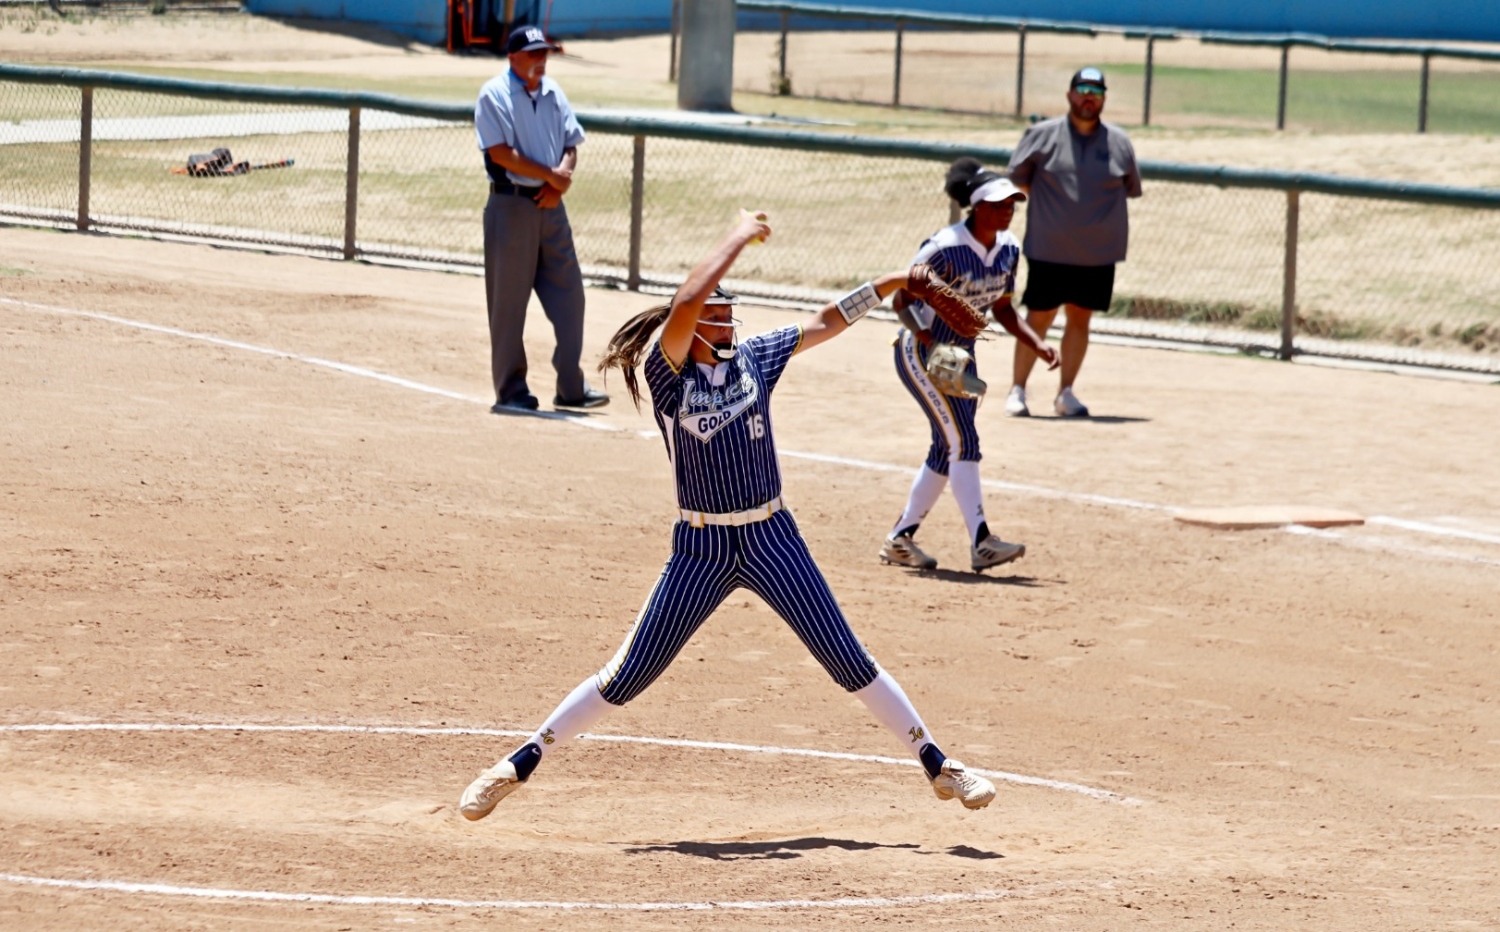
<point>723,350</point>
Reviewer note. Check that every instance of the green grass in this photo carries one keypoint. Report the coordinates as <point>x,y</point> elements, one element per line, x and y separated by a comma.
<point>1344,101</point>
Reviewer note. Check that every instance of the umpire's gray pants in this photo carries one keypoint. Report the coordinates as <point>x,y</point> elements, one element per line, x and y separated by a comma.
<point>528,248</point>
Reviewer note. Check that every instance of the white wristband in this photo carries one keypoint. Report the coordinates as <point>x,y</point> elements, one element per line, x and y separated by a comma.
<point>858,302</point>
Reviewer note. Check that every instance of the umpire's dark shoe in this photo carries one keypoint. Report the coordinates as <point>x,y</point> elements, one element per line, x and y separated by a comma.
<point>526,402</point>
<point>592,398</point>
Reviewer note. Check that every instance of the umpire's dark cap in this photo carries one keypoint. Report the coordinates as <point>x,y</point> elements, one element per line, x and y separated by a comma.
<point>1091,77</point>
<point>529,39</point>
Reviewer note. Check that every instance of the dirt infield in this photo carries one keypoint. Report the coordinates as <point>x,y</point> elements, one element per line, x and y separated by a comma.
<point>197,532</point>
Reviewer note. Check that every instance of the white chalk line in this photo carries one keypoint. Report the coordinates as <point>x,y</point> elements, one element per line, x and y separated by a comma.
<point>1425,528</point>
<point>345,368</point>
<point>440,731</point>
<point>333,899</point>
<point>266,896</point>
<point>1366,542</point>
<point>1019,488</point>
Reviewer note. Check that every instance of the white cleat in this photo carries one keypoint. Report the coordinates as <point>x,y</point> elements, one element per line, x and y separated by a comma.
<point>1015,403</point>
<point>957,783</point>
<point>480,799</point>
<point>992,551</point>
<point>1068,405</point>
<point>903,551</point>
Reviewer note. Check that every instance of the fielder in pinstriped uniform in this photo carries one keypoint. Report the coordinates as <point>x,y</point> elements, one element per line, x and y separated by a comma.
<point>711,397</point>
<point>978,258</point>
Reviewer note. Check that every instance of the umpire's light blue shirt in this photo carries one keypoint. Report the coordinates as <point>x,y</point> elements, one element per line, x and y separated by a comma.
<point>539,129</point>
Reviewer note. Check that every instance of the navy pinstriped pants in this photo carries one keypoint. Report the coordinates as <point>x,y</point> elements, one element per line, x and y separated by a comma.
<point>770,559</point>
<point>954,435</point>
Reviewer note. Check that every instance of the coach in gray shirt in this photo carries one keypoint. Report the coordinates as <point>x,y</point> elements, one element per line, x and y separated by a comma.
<point>530,138</point>
<point>1078,172</point>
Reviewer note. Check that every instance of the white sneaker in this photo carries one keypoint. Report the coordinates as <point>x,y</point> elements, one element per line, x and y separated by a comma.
<point>480,799</point>
<point>1068,405</point>
<point>1015,403</point>
<point>957,783</point>
<point>903,551</point>
<point>992,551</point>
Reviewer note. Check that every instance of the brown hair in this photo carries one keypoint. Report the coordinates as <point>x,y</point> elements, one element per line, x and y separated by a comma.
<point>629,344</point>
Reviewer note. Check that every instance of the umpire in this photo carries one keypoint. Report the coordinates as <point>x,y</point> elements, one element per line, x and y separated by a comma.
<point>1078,172</point>
<point>530,140</point>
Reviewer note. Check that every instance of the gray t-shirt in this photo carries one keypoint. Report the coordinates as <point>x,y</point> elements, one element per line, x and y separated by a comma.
<point>1075,213</point>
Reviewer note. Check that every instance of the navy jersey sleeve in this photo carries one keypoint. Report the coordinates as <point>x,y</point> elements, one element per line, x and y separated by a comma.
<point>664,381</point>
<point>773,350</point>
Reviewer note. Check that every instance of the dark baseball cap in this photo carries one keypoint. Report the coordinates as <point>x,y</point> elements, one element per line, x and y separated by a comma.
<point>1090,76</point>
<point>529,39</point>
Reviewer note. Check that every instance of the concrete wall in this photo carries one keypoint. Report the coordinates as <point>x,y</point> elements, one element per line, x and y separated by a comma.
<point>1467,20</point>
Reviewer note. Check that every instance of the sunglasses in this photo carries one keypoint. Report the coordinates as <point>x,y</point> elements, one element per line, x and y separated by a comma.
<point>1088,90</point>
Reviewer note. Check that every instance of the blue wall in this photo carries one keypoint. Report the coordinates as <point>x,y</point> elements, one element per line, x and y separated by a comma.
<point>1470,20</point>
<point>423,20</point>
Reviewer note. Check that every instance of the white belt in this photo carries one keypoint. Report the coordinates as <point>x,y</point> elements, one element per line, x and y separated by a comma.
<point>734,518</point>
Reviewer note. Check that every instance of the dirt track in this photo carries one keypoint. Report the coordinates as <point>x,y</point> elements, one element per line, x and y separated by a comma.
<point>192,532</point>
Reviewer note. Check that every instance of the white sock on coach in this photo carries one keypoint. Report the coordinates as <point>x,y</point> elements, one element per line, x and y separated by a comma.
<point>926,489</point>
<point>967,490</point>
<point>579,712</point>
<point>888,703</point>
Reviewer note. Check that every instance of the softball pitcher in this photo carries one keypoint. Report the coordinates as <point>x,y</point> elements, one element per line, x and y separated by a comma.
<point>978,258</point>
<point>711,396</point>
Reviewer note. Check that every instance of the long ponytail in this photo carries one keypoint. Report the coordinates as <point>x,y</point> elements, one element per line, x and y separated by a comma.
<point>629,344</point>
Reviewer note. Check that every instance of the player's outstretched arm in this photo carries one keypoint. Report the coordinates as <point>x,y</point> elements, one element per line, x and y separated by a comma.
<point>837,316</point>
<point>1006,316</point>
<point>687,304</point>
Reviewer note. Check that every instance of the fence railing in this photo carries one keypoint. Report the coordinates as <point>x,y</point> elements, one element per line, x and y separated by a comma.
<point>1295,254</point>
<point>900,20</point>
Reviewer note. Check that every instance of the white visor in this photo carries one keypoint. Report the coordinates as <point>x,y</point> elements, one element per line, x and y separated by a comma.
<point>996,189</point>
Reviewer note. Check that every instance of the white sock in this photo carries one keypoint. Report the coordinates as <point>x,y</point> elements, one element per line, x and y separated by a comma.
<point>574,715</point>
<point>888,703</point>
<point>970,496</point>
<point>926,489</point>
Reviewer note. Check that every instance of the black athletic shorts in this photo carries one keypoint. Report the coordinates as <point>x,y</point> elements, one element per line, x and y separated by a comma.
<point>1050,285</point>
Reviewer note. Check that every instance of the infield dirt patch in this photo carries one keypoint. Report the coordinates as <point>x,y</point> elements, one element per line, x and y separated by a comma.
<point>193,532</point>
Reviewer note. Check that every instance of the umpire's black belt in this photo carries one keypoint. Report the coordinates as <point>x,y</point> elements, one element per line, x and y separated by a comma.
<point>505,187</point>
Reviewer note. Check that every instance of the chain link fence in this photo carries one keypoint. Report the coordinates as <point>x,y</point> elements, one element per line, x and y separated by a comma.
<point>1020,67</point>
<point>1208,247</point>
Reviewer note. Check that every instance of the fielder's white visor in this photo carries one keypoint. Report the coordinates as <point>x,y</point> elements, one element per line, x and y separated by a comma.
<point>996,190</point>
<point>720,296</point>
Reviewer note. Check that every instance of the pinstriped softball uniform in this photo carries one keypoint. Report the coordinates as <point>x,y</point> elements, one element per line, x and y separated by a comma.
<point>982,277</point>
<point>951,419</point>
<point>717,426</point>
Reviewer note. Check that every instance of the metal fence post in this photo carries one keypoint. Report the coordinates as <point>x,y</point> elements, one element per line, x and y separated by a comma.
<point>351,184</point>
<point>1422,107</point>
<point>1020,70</point>
<point>1289,277</point>
<point>637,205</point>
<point>676,27</point>
<point>85,155</point>
<point>1150,63</point>
<point>1281,93</point>
<point>782,87</point>
<point>896,89</point>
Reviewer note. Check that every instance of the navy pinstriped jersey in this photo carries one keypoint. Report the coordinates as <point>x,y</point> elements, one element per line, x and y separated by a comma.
<point>716,421</point>
<point>982,276</point>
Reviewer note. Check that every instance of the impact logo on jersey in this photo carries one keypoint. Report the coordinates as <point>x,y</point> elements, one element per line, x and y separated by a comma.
<point>706,412</point>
